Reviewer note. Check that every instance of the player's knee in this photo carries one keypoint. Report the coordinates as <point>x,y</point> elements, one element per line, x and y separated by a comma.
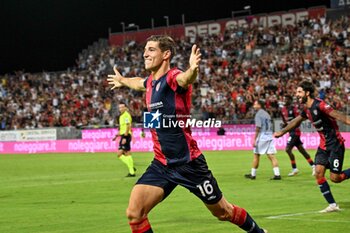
<point>336,178</point>
<point>134,214</point>
<point>318,175</point>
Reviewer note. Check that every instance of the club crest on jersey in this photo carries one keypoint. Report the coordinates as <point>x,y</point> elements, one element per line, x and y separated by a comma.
<point>315,111</point>
<point>158,86</point>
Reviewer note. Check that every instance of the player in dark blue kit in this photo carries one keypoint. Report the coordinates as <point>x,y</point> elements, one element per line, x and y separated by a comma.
<point>289,111</point>
<point>178,160</point>
<point>330,153</point>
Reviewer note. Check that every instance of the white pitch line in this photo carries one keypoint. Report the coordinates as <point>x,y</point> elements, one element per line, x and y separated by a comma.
<point>317,220</point>
<point>290,215</point>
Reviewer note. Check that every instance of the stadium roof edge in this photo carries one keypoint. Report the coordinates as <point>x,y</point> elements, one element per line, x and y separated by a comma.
<point>215,20</point>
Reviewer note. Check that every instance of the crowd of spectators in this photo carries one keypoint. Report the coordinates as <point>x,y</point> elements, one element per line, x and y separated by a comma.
<point>239,66</point>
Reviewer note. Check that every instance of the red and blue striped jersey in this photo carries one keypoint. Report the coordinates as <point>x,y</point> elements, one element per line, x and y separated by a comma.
<point>325,125</point>
<point>288,114</point>
<point>172,145</point>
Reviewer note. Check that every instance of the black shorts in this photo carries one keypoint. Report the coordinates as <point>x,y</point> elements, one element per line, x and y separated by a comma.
<point>294,141</point>
<point>126,146</point>
<point>195,176</point>
<point>332,157</point>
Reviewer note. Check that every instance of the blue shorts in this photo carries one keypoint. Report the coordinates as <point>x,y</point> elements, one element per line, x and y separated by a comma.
<point>332,157</point>
<point>294,141</point>
<point>194,176</point>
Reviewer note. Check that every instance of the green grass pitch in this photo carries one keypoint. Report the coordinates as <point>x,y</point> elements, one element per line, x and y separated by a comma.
<point>68,193</point>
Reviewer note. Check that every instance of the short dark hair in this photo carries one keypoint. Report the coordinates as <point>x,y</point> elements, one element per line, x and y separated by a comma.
<point>289,97</point>
<point>307,86</point>
<point>123,103</point>
<point>261,102</point>
<point>165,43</point>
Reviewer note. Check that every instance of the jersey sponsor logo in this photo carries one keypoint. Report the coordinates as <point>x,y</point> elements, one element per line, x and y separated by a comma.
<point>156,105</point>
<point>315,112</point>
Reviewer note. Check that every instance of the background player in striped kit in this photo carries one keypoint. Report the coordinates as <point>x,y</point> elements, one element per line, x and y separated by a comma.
<point>289,111</point>
<point>330,153</point>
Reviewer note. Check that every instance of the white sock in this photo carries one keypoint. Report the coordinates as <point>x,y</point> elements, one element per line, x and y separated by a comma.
<point>253,172</point>
<point>276,171</point>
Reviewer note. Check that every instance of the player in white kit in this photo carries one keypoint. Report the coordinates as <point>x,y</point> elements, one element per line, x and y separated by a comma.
<point>263,142</point>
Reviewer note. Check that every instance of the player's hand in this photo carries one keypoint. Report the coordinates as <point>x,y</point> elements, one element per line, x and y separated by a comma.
<point>123,141</point>
<point>278,134</point>
<point>115,79</point>
<point>143,135</point>
<point>195,58</point>
<point>116,136</point>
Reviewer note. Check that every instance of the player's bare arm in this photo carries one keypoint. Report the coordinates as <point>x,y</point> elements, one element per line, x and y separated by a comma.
<point>340,117</point>
<point>291,125</point>
<point>117,80</point>
<point>190,75</point>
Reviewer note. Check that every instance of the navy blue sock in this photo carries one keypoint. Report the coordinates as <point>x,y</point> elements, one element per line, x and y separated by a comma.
<point>347,173</point>
<point>325,190</point>
<point>251,226</point>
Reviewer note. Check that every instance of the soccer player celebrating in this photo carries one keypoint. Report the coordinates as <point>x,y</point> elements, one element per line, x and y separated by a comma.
<point>289,112</point>
<point>178,160</point>
<point>330,153</point>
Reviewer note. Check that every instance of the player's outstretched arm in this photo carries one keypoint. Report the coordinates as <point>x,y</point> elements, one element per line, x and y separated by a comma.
<point>117,80</point>
<point>291,125</point>
<point>190,75</point>
<point>340,117</point>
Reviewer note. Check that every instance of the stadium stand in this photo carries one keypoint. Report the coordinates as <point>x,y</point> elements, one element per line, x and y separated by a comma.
<point>238,66</point>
